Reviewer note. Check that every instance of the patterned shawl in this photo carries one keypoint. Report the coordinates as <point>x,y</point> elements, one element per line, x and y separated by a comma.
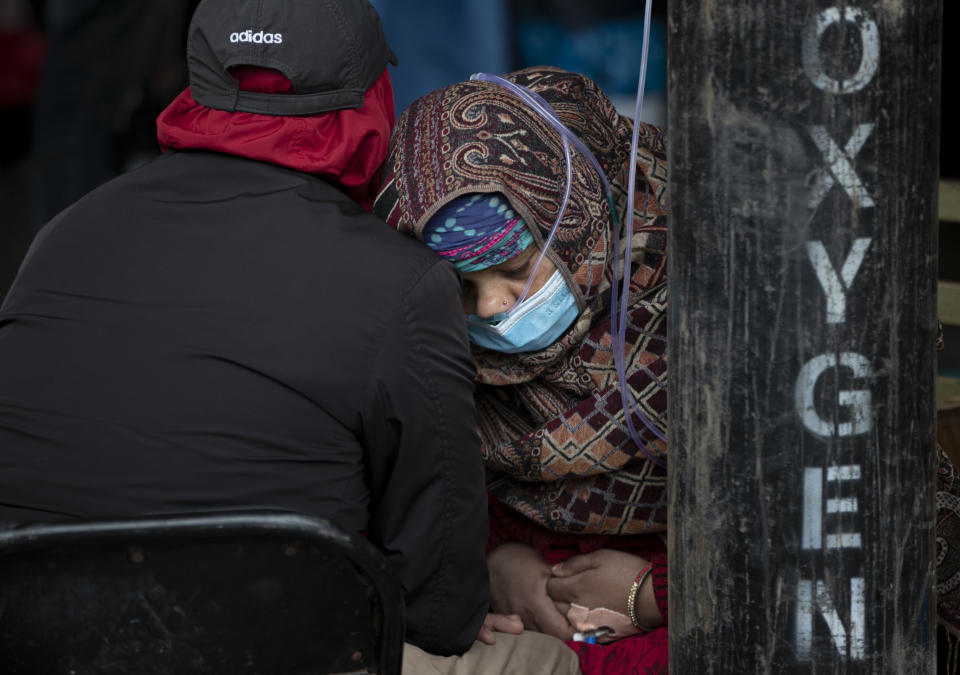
<point>555,442</point>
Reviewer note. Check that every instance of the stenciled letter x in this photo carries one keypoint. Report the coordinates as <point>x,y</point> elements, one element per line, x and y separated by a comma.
<point>839,165</point>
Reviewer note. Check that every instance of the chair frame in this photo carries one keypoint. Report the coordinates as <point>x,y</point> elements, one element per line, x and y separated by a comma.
<point>86,539</point>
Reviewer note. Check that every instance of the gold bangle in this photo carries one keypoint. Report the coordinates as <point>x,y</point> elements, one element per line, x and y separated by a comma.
<point>634,592</point>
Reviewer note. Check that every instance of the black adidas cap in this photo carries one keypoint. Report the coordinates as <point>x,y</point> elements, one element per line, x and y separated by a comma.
<point>332,51</point>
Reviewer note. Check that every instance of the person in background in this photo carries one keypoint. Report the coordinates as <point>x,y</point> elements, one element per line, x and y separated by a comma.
<point>92,111</point>
<point>228,326</point>
<point>577,502</point>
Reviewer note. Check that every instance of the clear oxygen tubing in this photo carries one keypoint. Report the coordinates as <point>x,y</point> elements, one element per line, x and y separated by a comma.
<point>618,326</point>
<point>546,111</point>
<point>618,331</point>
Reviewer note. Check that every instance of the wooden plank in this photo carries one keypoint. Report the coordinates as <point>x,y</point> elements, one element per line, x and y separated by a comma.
<point>948,302</point>
<point>948,426</point>
<point>948,392</point>
<point>950,201</point>
<point>801,419</point>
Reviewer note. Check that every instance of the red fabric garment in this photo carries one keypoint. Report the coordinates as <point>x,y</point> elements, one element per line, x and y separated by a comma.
<point>644,653</point>
<point>507,525</point>
<point>658,577</point>
<point>346,146</point>
<point>22,56</point>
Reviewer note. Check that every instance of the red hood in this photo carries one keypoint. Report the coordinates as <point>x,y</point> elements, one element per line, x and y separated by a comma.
<point>346,146</point>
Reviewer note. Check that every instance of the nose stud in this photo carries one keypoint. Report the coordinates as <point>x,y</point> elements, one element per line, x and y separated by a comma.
<point>504,302</point>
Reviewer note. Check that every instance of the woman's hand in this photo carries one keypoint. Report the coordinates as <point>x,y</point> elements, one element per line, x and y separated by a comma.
<point>499,623</point>
<point>603,579</point>
<point>518,585</point>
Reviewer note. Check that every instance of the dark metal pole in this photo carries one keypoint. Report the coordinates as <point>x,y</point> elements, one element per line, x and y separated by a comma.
<point>803,160</point>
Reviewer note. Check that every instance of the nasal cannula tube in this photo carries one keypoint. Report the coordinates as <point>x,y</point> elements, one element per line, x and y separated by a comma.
<point>618,301</point>
<point>617,324</point>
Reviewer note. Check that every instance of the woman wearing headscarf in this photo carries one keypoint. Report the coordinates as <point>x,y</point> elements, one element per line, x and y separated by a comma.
<point>578,502</point>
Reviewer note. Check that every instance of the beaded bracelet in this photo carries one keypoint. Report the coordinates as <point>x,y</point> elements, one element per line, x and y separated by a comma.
<point>634,592</point>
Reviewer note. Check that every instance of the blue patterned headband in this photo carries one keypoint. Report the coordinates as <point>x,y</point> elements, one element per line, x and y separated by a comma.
<point>477,231</point>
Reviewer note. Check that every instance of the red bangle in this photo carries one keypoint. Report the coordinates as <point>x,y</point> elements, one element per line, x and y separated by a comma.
<point>634,592</point>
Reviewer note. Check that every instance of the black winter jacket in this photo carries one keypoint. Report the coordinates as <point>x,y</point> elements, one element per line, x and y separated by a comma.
<point>211,332</point>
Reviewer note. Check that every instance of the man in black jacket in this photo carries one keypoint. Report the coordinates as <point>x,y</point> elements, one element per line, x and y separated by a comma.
<point>228,328</point>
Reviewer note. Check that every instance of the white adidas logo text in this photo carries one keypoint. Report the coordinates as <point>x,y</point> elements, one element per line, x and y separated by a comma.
<point>259,37</point>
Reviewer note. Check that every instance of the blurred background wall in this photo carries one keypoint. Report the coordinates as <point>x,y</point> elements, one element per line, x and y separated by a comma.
<point>82,81</point>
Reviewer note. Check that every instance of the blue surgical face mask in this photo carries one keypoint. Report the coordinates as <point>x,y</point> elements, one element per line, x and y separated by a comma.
<point>534,324</point>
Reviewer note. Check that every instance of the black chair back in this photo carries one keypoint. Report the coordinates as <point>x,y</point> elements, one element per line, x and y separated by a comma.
<point>223,593</point>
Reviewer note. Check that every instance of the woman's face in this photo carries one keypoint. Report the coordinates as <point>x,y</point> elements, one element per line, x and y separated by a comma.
<point>495,289</point>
